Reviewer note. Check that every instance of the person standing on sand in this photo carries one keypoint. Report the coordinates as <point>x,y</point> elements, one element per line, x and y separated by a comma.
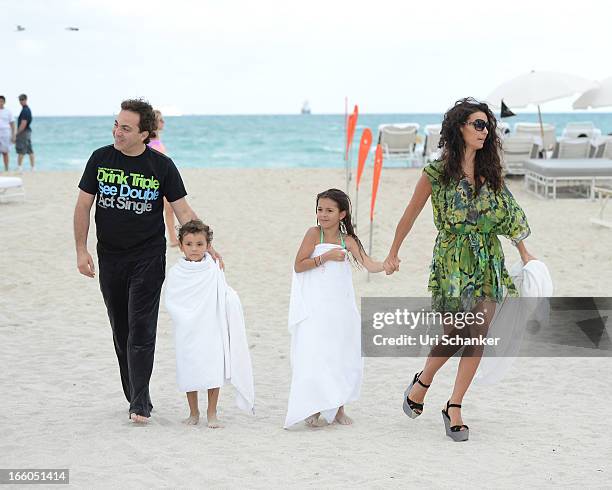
<point>324,322</point>
<point>23,136</point>
<point>7,132</point>
<point>128,181</point>
<point>156,143</point>
<point>471,207</point>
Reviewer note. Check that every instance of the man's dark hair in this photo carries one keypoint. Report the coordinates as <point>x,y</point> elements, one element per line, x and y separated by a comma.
<point>195,226</point>
<point>3,98</point>
<point>147,122</point>
<point>23,97</point>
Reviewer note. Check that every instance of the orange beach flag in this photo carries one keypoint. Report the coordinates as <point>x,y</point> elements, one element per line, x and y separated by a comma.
<point>378,163</point>
<point>364,150</point>
<point>350,131</point>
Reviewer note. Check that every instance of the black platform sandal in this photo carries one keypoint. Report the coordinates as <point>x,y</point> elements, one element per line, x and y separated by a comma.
<point>456,432</point>
<point>410,407</point>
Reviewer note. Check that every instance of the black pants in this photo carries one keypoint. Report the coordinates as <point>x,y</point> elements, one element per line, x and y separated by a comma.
<point>131,292</point>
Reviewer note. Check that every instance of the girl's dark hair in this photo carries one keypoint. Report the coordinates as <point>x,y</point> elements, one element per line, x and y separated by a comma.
<point>344,204</point>
<point>147,122</point>
<point>487,161</point>
<point>195,226</point>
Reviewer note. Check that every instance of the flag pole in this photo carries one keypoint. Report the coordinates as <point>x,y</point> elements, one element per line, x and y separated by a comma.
<point>378,163</point>
<point>542,132</point>
<point>356,206</point>
<point>370,246</point>
<point>364,149</point>
<point>351,125</point>
<point>344,143</point>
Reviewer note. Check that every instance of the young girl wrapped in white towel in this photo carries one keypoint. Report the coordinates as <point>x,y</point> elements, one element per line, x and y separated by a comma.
<point>324,322</point>
<point>209,331</point>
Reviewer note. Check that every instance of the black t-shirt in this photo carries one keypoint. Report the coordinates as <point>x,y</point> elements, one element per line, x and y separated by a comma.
<point>25,115</point>
<point>129,200</point>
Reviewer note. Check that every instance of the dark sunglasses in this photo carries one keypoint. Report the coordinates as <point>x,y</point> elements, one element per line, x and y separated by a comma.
<point>479,124</point>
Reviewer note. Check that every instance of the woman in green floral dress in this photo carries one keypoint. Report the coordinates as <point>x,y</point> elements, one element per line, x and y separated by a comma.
<point>471,207</point>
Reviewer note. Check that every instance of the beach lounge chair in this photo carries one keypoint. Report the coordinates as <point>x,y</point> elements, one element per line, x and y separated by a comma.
<point>533,130</point>
<point>603,194</point>
<point>10,188</point>
<point>572,148</point>
<point>604,148</point>
<point>398,141</point>
<point>432,139</point>
<point>515,151</point>
<point>546,175</point>
<point>581,129</point>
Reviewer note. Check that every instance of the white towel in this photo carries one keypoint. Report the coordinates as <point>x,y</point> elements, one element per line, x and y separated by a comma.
<point>512,317</point>
<point>209,331</point>
<point>325,327</point>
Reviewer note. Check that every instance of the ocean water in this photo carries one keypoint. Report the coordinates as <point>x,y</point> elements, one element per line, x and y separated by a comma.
<point>65,143</point>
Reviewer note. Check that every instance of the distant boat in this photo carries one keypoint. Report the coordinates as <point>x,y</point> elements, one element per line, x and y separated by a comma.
<point>72,28</point>
<point>306,108</point>
<point>20,28</point>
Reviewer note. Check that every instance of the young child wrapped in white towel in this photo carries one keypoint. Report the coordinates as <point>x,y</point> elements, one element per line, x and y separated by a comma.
<point>209,330</point>
<point>324,322</point>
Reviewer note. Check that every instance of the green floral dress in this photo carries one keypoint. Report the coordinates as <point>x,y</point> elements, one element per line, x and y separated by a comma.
<point>468,260</point>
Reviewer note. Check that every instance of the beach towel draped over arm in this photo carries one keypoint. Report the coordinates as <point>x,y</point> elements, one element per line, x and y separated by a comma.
<point>512,317</point>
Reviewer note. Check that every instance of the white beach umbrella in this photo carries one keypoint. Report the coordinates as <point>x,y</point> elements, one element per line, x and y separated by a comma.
<point>600,96</point>
<point>538,87</point>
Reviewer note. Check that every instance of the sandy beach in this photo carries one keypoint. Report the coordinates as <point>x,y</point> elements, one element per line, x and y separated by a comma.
<point>62,406</point>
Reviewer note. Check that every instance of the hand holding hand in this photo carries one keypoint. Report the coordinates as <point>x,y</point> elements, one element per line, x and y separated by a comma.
<point>391,264</point>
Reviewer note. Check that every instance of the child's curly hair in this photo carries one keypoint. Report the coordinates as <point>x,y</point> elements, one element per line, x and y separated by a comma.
<point>195,226</point>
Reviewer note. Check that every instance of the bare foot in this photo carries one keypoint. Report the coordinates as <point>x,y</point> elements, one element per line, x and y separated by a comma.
<point>315,421</point>
<point>213,422</point>
<point>342,418</point>
<point>193,419</point>
<point>138,419</point>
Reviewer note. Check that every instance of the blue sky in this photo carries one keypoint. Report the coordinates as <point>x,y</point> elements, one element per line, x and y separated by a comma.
<point>267,57</point>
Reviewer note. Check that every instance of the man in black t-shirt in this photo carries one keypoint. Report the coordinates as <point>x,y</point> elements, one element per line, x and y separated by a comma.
<point>23,136</point>
<point>128,181</point>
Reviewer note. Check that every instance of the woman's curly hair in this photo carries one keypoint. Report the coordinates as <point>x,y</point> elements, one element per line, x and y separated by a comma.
<point>487,163</point>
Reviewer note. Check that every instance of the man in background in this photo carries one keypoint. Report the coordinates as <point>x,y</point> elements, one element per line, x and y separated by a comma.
<point>7,131</point>
<point>23,138</point>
